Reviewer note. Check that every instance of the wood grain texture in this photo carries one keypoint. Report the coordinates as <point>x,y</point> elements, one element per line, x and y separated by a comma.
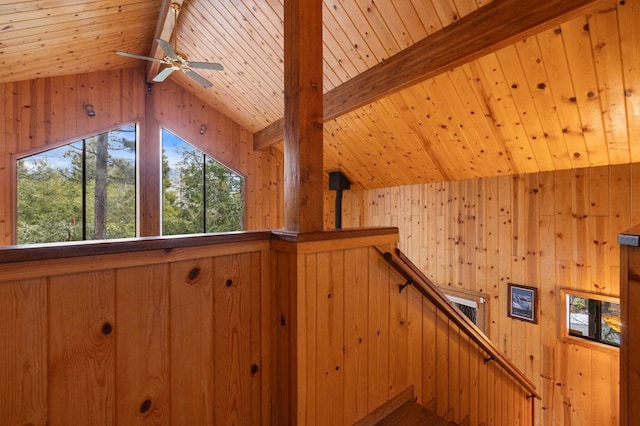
<point>43,114</point>
<point>563,97</point>
<point>232,345</point>
<point>551,230</point>
<point>629,383</point>
<point>142,345</point>
<point>81,359</point>
<point>483,31</point>
<point>192,342</point>
<point>303,148</point>
<point>357,348</point>
<point>23,357</point>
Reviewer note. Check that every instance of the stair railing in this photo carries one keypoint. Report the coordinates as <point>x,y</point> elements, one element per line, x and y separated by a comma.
<point>415,277</point>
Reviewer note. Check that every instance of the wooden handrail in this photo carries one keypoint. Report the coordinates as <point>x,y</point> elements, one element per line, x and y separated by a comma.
<point>414,276</point>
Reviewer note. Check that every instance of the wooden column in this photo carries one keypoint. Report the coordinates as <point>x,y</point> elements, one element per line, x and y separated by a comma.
<point>630,322</point>
<point>149,203</point>
<point>303,115</point>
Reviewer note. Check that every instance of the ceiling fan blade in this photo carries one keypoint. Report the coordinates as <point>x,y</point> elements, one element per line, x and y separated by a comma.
<point>146,58</point>
<point>206,65</point>
<point>166,47</point>
<point>162,75</point>
<point>198,78</point>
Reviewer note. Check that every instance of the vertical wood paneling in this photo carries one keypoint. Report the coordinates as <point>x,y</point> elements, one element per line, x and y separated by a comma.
<point>191,341</point>
<point>49,111</point>
<point>135,345</point>
<point>284,276</point>
<point>308,332</point>
<point>330,338</point>
<point>232,349</point>
<point>142,346</point>
<point>356,313</point>
<point>429,354</point>
<point>81,349</point>
<point>549,230</point>
<point>378,332</point>
<point>23,359</point>
<point>230,144</point>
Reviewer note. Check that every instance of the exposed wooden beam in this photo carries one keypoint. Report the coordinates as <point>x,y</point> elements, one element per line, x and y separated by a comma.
<point>164,30</point>
<point>491,27</point>
<point>303,165</point>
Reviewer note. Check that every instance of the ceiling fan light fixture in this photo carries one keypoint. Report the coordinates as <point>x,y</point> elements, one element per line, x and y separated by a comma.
<point>175,60</point>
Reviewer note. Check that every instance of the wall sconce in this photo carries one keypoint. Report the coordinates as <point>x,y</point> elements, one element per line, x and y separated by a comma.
<point>203,129</point>
<point>88,108</point>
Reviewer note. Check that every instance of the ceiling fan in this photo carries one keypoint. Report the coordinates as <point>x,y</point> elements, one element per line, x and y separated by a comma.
<point>176,61</point>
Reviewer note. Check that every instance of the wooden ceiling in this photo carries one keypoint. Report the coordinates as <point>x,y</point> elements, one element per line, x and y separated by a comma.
<point>568,97</point>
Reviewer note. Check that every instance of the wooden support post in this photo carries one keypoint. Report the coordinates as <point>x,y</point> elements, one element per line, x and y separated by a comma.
<point>149,170</point>
<point>630,332</point>
<point>303,174</point>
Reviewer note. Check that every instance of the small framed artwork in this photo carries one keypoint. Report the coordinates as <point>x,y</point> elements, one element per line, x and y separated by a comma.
<point>523,303</point>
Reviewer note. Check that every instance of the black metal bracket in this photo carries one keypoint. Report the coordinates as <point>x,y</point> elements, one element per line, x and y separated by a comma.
<point>402,286</point>
<point>487,360</point>
<point>149,86</point>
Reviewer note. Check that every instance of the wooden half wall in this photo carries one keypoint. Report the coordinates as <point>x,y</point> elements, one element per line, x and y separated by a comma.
<point>348,341</point>
<point>166,334</point>
<point>549,230</point>
<point>45,113</point>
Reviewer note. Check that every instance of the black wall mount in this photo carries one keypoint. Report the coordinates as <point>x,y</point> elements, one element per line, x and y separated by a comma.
<point>338,182</point>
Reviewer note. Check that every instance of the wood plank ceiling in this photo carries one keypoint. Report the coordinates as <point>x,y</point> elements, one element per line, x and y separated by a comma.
<point>566,98</point>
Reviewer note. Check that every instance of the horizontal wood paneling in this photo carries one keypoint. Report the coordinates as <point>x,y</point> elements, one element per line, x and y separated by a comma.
<point>549,230</point>
<point>168,343</point>
<point>43,113</point>
<point>359,342</point>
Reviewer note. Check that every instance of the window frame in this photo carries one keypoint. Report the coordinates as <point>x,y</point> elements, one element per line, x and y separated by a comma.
<point>15,157</point>
<point>565,336</point>
<point>479,299</point>
<point>208,155</point>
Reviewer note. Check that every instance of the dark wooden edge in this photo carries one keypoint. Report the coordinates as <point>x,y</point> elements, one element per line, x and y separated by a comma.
<point>428,289</point>
<point>27,252</point>
<point>387,408</point>
<point>534,290</point>
<point>21,253</point>
<point>334,234</point>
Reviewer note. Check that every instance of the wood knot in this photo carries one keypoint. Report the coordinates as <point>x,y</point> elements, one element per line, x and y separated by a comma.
<point>194,274</point>
<point>229,282</point>
<point>107,328</point>
<point>145,406</point>
<point>254,369</point>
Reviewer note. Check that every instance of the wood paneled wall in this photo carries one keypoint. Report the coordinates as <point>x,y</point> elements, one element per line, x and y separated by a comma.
<point>46,112</point>
<point>548,230</point>
<point>176,337</point>
<point>630,294</point>
<point>225,140</point>
<point>352,341</point>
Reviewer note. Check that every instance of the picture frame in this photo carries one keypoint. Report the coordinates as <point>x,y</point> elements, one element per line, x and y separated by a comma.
<point>522,303</point>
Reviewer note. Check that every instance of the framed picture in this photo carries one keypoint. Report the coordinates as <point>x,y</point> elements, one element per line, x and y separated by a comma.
<point>523,303</point>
